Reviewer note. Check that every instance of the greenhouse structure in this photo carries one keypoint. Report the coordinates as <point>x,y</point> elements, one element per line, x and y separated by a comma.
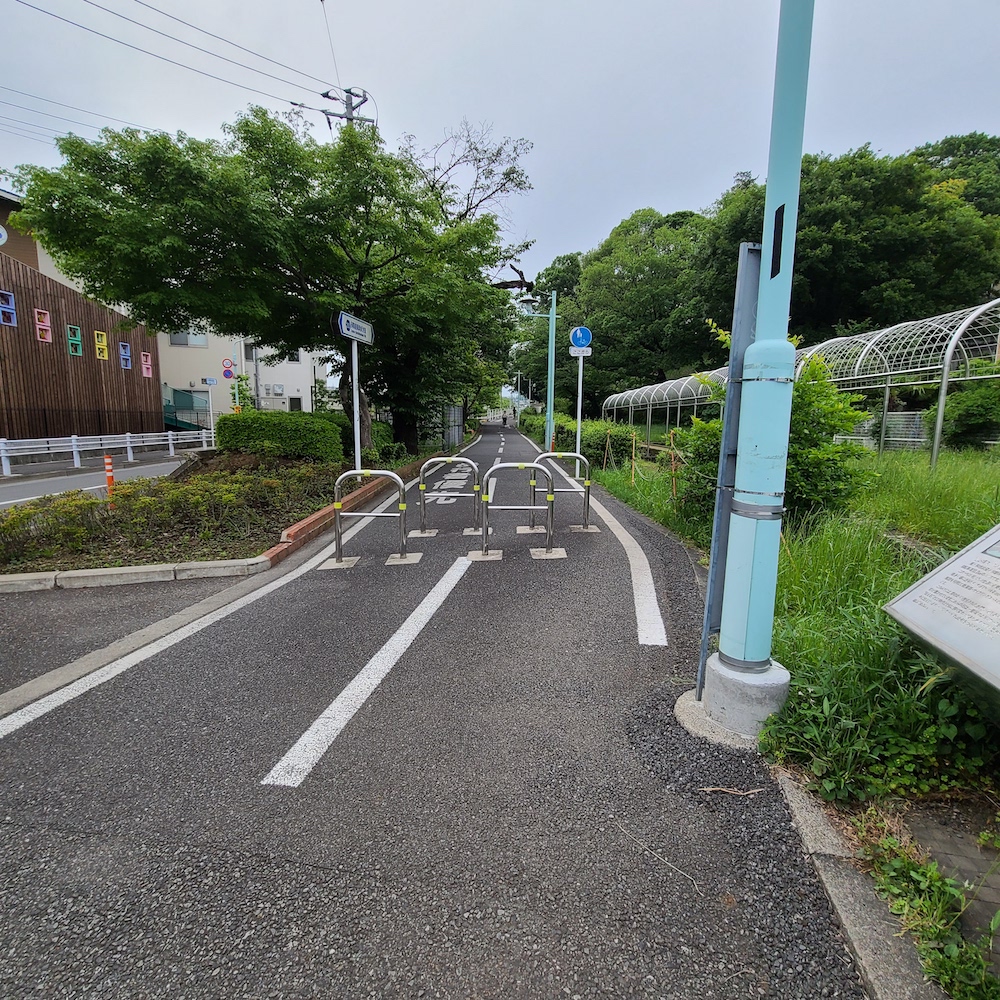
<point>937,351</point>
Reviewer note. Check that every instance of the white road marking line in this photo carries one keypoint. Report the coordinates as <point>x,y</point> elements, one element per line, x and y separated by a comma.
<point>16,720</point>
<point>296,765</point>
<point>648,620</point>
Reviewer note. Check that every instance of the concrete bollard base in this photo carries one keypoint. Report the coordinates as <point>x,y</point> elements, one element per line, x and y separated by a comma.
<point>740,700</point>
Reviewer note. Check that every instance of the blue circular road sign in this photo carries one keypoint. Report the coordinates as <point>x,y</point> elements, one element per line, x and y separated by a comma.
<point>580,336</point>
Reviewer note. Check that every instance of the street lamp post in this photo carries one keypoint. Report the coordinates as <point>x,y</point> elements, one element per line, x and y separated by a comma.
<point>550,395</point>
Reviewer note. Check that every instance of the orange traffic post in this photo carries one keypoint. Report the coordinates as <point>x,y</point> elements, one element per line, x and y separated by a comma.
<point>109,474</point>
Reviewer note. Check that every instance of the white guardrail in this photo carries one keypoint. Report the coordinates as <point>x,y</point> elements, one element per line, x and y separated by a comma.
<point>76,445</point>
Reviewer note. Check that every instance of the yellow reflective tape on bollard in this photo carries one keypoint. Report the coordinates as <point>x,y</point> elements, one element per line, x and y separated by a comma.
<point>586,482</point>
<point>423,486</point>
<point>532,482</point>
<point>402,506</point>
<point>550,497</point>
<point>476,488</point>
<point>486,499</point>
<point>365,472</point>
<point>337,505</point>
<point>559,454</point>
<point>521,465</point>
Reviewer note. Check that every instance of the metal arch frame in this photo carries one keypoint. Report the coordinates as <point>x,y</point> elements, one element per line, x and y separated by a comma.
<point>338,512</point>
<point>433,464</point>
<point>915,352</point>
<point>948,356</point>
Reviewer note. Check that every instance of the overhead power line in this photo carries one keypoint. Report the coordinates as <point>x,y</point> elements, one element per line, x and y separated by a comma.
<point>48,114</point>
<point>22,124</point>
<point>191,45</point>
<point>23,135</point>
<point>155,55</point>
<point>329,36</point>
<point>235,45</point>
<point>71,107</point>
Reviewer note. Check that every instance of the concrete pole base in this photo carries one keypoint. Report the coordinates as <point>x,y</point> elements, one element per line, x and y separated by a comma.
<point>739,700</point>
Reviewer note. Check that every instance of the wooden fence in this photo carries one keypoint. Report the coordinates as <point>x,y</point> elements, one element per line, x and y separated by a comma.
<point>69,365</point>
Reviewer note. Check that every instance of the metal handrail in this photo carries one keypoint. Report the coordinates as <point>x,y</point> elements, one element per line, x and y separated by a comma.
<point>568,489</point>
<point>338,511</point>
<point>549,500</point>
<point>436,463</point>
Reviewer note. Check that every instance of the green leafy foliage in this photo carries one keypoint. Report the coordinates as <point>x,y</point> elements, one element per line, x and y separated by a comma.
<point>269,234</point>
<point>820,475</point>
<point>600,440</point>
<point>869,712</point>
<point>274,433</point>
<point>880,239</point>
<point>971,415</point>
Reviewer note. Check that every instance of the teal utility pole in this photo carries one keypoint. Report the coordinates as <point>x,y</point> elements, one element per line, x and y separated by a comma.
<point>550,391</point>
<point>743,684</point>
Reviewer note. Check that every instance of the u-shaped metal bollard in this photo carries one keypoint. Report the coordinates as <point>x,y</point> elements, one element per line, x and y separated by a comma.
<point>549,500</point>
<point>586,480</point>
<point>338,505</point>
<point>432,464</point>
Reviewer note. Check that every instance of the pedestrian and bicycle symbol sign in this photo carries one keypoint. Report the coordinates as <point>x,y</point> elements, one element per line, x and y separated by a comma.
<point>580,336</point>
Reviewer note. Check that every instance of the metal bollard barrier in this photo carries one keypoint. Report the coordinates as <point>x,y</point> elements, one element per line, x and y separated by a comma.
<point>549,501</point>
<point>432,464</point>
<point>586,479</point>
<point>338,511</point>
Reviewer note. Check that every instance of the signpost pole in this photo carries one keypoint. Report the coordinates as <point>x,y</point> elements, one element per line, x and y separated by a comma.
<point>356,329</point>
<point>357,405</point>
<point>579,410</point>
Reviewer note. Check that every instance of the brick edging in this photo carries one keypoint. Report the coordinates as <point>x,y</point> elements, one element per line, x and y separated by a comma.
<point>315,524</point>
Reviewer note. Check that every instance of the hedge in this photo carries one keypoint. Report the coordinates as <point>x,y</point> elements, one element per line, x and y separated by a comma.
<point>594,437</point>
<point>275,433</point>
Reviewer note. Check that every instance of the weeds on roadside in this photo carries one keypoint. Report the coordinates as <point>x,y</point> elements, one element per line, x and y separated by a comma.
<point>929,905</point>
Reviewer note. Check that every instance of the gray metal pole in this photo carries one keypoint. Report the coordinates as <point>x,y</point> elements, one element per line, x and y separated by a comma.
<point>885,419</point>
<point>579,410</point>
<point>357,405</point>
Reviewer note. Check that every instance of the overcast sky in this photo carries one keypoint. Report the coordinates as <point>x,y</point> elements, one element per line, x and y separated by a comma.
<point>644,103</point>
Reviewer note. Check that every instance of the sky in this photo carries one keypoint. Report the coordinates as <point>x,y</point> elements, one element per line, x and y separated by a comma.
<point>653,103</point>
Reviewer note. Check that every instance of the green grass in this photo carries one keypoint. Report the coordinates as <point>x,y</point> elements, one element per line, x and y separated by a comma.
<point>950,507</point>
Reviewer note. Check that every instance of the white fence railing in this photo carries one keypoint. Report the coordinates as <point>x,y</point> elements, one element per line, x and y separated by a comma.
<point>76,445</point>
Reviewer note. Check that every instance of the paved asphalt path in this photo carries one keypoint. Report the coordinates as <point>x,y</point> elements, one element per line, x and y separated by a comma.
<point>18,489</point>
<point>512,812</point>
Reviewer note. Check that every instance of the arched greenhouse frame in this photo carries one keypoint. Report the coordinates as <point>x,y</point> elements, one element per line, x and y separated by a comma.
<point>939,350</point>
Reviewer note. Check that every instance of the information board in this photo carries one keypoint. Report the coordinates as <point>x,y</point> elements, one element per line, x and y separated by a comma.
<point>956,607</point>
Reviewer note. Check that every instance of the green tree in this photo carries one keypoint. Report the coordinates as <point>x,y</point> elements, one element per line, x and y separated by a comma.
<point>268,236</point>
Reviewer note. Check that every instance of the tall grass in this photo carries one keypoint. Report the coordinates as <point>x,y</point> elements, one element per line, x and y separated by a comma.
<point>869,712</point>
<point>951,506</point>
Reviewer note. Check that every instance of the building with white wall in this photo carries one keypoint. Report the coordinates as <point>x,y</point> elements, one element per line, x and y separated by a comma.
<point>196,387</point>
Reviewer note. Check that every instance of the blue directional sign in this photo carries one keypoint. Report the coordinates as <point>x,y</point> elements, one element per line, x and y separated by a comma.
<point>580,336</point>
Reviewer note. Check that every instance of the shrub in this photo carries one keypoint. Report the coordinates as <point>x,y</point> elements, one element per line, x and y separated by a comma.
<point>971,415</point>
<point>344,426</point>
<point>381,434</point>
<point>820,475</point>
<point>278,434</point>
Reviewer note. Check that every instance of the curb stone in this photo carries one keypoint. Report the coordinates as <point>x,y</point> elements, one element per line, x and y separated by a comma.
<point>292,539</point>
<point>887,963</point>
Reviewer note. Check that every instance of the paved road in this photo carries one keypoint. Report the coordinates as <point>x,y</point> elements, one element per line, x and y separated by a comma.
<point>18,489</point>
<point>448,779</point>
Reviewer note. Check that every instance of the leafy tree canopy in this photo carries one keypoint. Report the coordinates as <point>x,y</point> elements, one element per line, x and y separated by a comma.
<point>270,234</point>
<point>881,239</point>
